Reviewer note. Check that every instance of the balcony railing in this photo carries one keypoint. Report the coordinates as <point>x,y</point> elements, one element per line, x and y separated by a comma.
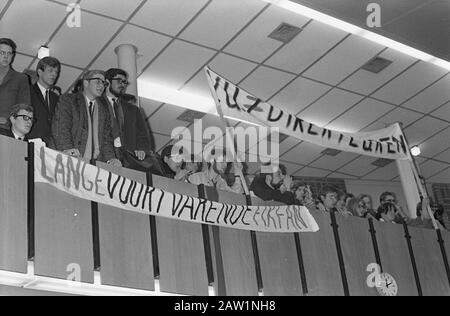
<point>46,235</point>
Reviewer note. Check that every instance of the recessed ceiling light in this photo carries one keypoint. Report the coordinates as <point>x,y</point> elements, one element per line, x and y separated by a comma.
<point>376,64</point>
<point>285,33</point>
<point>382,162</point>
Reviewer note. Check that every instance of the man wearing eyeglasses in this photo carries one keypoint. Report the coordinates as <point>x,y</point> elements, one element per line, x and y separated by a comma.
<point>129,129</point>
<point>20,122</point>
<point>81,125</point>
<point>14,87</point>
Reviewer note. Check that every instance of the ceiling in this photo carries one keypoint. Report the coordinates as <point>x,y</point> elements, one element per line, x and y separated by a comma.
<point>317,75</point>
<point>421,24</point>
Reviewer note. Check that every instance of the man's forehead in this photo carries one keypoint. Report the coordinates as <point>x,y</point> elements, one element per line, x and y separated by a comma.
<point>5,47</point>
<point>98,76</point>
<point>25,112</point>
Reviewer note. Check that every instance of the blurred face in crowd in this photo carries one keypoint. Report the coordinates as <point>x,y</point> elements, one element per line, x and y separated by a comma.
<point>367,202</point>
<point>221,166</point>
<point>391,213</point>
<point>277,179</point>
<point>341,204</point>
<point>330,200</point>
<point>48,76</point>
<point>22,122</point>
<point>174,162</point>
<point>6,55</point>
<point>361,208</point>
<point>95,85</point>
<point>191,167</point>
<point>118,85</point>
<point>300,193</point>
<point>389,199</point>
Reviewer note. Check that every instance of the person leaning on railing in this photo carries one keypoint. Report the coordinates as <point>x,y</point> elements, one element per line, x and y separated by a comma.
<point>269,185</point>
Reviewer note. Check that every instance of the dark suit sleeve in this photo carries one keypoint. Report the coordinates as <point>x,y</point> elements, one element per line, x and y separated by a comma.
<point>62,124</point>
<point>268,194</point>
<point>107,141</point>
<point>24,90</point>
<point>142,137</point>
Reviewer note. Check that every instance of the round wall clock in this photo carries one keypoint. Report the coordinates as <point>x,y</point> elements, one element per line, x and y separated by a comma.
<point>386,285</point>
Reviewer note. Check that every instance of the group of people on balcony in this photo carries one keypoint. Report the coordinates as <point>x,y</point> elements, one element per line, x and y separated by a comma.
<point>274,184</point>
<point>98,121</point>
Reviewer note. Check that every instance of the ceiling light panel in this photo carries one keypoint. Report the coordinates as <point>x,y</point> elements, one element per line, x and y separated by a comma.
<point>314,41</point>
<point>253,43</point>
<point>366,82</point>
<point>343,60</point>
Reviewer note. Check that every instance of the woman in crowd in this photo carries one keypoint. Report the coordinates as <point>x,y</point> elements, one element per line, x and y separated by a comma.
<point>216,174</point>
<point>303,195</point>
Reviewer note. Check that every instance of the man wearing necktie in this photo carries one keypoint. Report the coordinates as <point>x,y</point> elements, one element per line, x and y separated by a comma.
<point>81,124</point>
<point>44,100</point>
<point>129,128</point>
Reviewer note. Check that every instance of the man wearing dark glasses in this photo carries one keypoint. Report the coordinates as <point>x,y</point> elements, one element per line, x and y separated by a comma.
<point>20,122</point>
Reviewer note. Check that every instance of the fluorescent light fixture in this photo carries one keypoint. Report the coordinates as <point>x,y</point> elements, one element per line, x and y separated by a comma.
<point>161,93</point>
<point>43,51</point>
<point>415,151</point>
<point>353,29</point>
<point>182,99</point>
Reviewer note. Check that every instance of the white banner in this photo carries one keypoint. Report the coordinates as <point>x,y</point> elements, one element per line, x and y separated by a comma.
<point>235,102</point>
<point>83,180</point>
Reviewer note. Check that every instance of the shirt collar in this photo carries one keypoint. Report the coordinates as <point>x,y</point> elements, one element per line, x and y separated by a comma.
<point>89,100</point>
<point>41,87</point>
<point>17,136</point>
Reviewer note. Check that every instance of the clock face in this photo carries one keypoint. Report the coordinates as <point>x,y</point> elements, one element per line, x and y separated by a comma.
<point>386,285</point>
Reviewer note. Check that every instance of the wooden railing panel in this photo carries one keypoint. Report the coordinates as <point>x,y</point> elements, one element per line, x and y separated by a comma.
<point>63,227</point>
<point>358,253</point>
<point>233,258</point>
<point>181,250</point>
<point>279,262</point>
<point>13,205</point>
<point>430,264</point>
<point>320,259</point>
<point>125,242</point>
<point>395,257</point>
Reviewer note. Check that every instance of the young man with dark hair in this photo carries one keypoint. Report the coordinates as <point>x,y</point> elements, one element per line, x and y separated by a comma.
<point>20,122</point>
<point>328,199</point>
<point>131,139</point>
<point>44,100</point>
<point>268,186</point>
<point>14,86</point>
<point>81,126</point>
<point>389,210</point>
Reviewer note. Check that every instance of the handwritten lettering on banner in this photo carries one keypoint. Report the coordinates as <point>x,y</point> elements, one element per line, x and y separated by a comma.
<point>235,102</point>
<point>81,179</point>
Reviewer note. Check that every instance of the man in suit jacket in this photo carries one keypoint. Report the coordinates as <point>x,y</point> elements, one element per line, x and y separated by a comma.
<point>14,87</point>
<point>81,125</point>
<point>44,100</point>
<point>20,122</point>
<point>129,129</point>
